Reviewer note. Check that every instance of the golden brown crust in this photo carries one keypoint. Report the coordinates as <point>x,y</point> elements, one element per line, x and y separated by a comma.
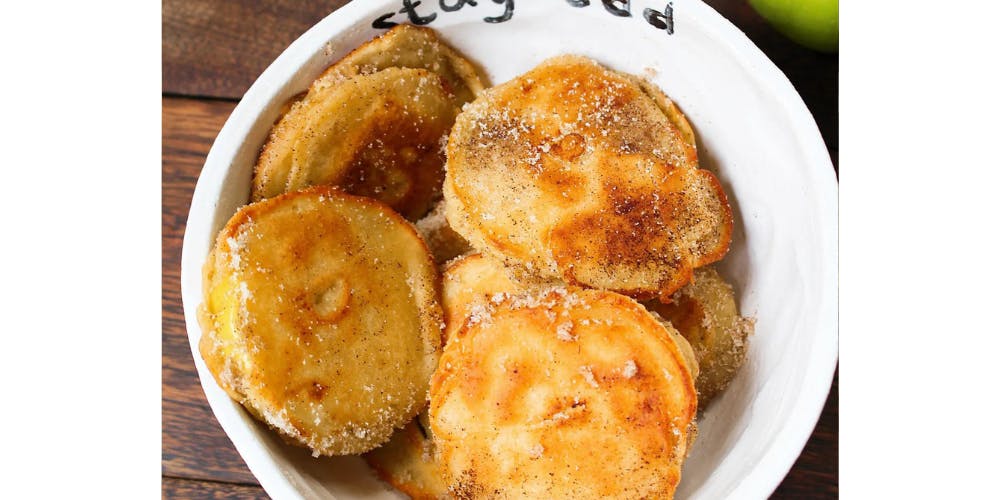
<point>322,317</point>
<point>705,313</point>
<point>563,393</point>
<point>371,124</point>
<point>471,282</point>
<point>672,112</point>
<point>387,130</point>
<point>408,46</point>
<point>275,161</point>
<point>572,172</point>
<point>409,462</point>
<point>375,135</point>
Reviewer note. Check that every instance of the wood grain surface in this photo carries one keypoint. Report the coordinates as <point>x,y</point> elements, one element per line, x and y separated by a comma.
<point>212,52</point>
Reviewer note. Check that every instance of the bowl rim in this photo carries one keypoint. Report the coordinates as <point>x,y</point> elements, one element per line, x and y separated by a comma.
<point>791,438</point>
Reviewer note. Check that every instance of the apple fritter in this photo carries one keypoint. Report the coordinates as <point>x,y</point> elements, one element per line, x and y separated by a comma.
<point>408,46</point>
<point>444,242</point>
<point>344,131</point>
<point>563,393</point>
<point>572,172</point>
<point>377,135</point>
<point>409,461</point>
<point>705,313</point>
<point>322,318</point>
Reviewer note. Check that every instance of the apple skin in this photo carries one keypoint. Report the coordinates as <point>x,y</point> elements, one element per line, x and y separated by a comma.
<point>811,23</point>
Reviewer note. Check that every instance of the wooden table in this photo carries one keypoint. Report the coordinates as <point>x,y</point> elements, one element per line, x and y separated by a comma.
<point>212,52</point>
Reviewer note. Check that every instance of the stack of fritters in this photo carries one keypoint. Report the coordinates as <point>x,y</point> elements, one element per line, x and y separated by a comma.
<point>322,313</point>
<point>574,175</point>
<point>571,193</point>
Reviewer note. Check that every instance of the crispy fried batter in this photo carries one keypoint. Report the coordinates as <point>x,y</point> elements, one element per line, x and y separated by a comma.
<point>408,46</point>
<point>444,242</point>
<point>470,283</point>
<point>573,172</point>
<point>705,313</point>
<point>562,394</point>
<point>321,317</point>
<point>475,281</point>
<point>373,145</point>
<point>375,135</point>
<point>386,131</point>
<point>409,461</point>
<point>275,162</point>
<point>669,108</point>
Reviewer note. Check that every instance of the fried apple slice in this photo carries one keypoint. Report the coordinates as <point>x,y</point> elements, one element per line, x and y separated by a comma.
<point>408,46</point>
<point>380,136</point>
<point>321,317</point>
<point>563,393</point>
<point>376,135</point>
<point>385,171</point>
<point>409,462</point>
<point>572,172</point>
<point>705,313</point>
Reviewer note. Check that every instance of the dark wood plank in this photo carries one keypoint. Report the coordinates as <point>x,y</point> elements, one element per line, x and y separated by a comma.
<point>194,446</point>
<point>218,48</point>
<point>188,488</point>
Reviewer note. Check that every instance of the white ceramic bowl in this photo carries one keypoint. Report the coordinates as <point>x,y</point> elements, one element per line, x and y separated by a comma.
<point>753,131</point>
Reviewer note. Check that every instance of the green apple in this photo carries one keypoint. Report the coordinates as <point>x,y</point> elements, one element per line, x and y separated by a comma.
<point>812,23</point>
